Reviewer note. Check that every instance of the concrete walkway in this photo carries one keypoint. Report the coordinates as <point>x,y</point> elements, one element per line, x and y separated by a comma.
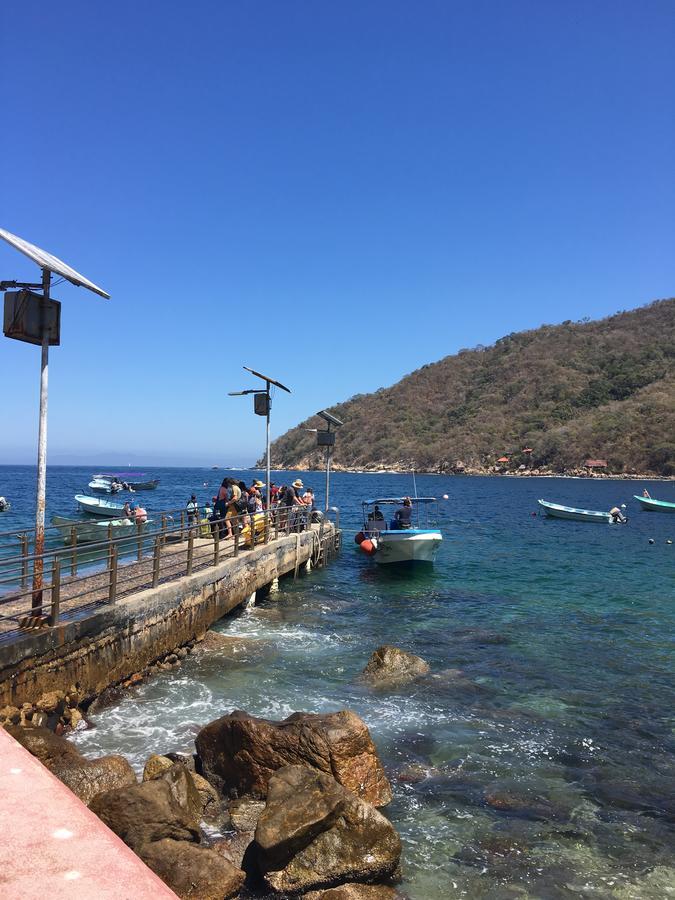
<point>53,846</point>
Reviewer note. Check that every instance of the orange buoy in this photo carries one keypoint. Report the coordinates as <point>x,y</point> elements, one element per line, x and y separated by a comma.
<point>368,547</point>
<point>360,538</point>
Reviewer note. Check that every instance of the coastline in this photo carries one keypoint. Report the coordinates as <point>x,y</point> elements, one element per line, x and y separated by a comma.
<point>473,473</point>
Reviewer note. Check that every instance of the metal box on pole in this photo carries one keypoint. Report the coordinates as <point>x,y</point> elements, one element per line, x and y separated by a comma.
<point>261,404</point>
<point>28,316</point>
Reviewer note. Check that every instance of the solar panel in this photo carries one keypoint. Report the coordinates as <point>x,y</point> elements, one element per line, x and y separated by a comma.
<point>271,380</point>
<point>47,261</point>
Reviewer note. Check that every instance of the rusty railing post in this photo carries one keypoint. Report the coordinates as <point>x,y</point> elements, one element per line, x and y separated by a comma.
<point>56,591</point>
<point>112,588</point>
<point>252,529</point>
<point>155,561</point>
<point>216,547</point>
<point>190,551</point>
<point>24,561</point>
<point>139,548</point>
<point>163,528</point>
<point>236,541</point>
<point>266,513</point>
<point>276,527</point>
<point>73,552</point>
<point>182,525</point>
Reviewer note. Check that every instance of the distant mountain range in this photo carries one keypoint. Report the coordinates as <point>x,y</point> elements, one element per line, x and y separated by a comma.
<point>569,392</point>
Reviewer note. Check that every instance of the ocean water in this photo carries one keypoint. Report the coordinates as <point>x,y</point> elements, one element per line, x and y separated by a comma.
<point>548,731</point>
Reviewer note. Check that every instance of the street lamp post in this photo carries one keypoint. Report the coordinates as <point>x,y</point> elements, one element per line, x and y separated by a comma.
<point>327,439</point>
<point>262,404</point>
<point>36,319</point>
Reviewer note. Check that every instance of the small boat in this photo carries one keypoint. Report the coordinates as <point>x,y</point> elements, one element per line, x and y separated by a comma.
<point>143,485</point>
<point>389,544</point>
<point>121,481</point>
<point>98,506</point>
<point>4,504</point>
<point>651,505</point>
<point>578,515</point>
<point>105,484</point>
<point>90,532</point>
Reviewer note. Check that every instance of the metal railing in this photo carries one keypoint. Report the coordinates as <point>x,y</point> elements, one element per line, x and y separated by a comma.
<point>175,543</point>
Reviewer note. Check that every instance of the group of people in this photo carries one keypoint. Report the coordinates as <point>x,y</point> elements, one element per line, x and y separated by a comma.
<point>136,512</point>
<point>236,504</point>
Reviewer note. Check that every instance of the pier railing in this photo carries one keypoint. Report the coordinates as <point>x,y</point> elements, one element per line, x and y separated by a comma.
<point>80,576</point>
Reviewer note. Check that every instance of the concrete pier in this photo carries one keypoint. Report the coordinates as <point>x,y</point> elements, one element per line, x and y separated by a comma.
<point>113,641</point>
<point>53,846</point>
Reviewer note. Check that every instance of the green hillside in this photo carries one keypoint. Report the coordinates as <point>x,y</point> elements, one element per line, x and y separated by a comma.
<point>602,389</point>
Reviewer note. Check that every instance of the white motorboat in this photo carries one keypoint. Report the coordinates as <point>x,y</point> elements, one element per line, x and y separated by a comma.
<point>396,541</point>
<point>557,511</point>
<point>91,532</point>
<point>99,506</point>
<point>104,484</point>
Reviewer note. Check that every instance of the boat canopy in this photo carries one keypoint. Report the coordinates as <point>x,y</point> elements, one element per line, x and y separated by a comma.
<point>397,500</point>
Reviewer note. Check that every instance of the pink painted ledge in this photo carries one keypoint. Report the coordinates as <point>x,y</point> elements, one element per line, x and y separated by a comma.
<point>52,846</point>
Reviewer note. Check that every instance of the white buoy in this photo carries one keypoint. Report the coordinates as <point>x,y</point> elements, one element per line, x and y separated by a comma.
<point>669,541</point>
<point>445,497</point>
<point>651,540</point>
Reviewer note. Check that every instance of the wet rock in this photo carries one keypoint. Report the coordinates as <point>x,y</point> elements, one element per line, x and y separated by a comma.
<point>209,798</point>
<point>155,766</point>
<point>50,749</point>
<point>186,759</point>
<point>417,772</point>
<point>145,813</point>
<point>482,636</point>
<point>184,790</point>
<point>191,871</point>
<point>244,814</point>
<point>52,703</point>
<point>390,667</point>
<point>313,833</point>
<point>234,847</point>
<point>239,753</point>
<point>354,892</point>
<point>10,715</point>
<point>525,802</point>
<point>90,777</point>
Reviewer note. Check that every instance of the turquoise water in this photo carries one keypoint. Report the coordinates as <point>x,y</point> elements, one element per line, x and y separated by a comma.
<point>548,735</point>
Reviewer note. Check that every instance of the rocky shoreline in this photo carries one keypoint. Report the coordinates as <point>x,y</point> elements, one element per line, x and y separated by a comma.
<point>487,471</point>
<point>260,808</point>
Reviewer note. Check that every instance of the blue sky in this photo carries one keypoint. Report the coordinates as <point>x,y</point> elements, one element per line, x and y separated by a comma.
<point>334,193</point>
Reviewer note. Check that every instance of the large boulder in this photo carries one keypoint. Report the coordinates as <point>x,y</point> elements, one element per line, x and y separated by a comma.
<point>86,778</point>
<point>313,833</point>
<point>239,753</point>
<point>144,813</point>
<point>391,667</point>
<point>191,871</point>
<point>91,777</point>
<point>46,746</point>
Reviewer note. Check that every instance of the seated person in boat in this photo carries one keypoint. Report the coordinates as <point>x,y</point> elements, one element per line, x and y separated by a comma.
<point>376,515</point>
<point>403,515</point>
<point>646,494</point>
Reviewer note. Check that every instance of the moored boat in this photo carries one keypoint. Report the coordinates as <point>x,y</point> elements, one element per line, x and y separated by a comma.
<point>99,506</point>
<point>651,505</point>
<point>89,532</point>
<point>558,511</point>
<point>4,504</point>
<point>395,542</point>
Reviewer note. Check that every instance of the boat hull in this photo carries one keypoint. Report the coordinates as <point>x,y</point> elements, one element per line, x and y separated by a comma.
<point>556,511</point>
<point>90,532</point>
<point>143,485</point>
<point>407,546</point>
<point>97,506</point>
<point>651,505</point>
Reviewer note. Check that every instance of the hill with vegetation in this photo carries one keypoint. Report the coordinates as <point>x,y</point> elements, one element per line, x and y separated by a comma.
<point>570,392</point>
